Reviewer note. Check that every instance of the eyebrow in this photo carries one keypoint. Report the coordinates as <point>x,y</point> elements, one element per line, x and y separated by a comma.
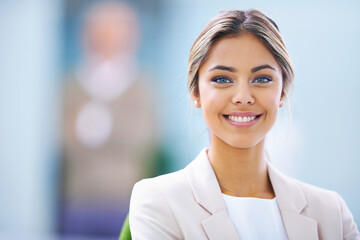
<point>221,67</point>
<point>255,69</point>
<point>231,69</point>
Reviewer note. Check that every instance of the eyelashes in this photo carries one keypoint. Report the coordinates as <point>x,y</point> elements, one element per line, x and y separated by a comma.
<point>262,79</point>
<point>225,80</point>
<point>221,80</point>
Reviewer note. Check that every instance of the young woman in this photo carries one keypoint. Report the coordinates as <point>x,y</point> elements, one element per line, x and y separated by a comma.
<point>239,74</point>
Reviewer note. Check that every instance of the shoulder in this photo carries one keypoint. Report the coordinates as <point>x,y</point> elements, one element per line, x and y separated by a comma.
<point>316,195</point>
<point>165,186</point>
<point>301,192</point>
<point>151,206</point>
<point>326,207</point>
<point>329,204</point>
<point>316,198</point>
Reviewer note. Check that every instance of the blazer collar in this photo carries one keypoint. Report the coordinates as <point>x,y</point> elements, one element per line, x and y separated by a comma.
<point>290,198</point>
<point>292,201</point>
<point>288,194</point>
<point>205,187</point>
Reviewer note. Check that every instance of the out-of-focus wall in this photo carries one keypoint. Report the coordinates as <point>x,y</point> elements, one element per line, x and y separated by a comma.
<point>29,61</point>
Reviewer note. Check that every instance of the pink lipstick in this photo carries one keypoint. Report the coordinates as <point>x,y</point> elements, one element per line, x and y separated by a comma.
<point>242,119</point>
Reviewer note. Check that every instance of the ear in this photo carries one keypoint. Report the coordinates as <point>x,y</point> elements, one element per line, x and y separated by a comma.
<point>281,101</point>
<point>196,101</point>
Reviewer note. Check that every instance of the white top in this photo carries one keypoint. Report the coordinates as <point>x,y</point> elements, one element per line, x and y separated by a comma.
<point>255,218</point>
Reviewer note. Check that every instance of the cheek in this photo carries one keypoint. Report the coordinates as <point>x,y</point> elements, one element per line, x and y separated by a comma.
<point>213,102</point>
<point>272,97</point>
<point>212,99</point>
<point>271,103</point>
<point>205,94</point>
<point>210,104</point>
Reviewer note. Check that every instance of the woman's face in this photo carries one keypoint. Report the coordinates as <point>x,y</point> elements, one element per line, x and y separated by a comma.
<point>240,86</point>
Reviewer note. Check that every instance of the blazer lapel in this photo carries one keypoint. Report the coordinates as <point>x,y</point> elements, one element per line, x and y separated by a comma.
<point>290,198</point>
<point>207,193</point>
<point>219,226</point>
<point>291,202</point>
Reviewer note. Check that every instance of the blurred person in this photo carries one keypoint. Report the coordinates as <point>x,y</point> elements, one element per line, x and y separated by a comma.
<point>239,74</point>
<point>109,123</point>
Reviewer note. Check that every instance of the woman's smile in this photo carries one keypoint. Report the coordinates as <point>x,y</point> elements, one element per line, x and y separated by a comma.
<point>242,119</point>
<point>240,91</point>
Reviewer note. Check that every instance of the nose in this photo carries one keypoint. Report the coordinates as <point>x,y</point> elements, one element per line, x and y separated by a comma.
<point>243,95</point>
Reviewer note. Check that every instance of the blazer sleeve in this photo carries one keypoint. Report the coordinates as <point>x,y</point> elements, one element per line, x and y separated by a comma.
<point>350,231</point>
<point>150,215</point>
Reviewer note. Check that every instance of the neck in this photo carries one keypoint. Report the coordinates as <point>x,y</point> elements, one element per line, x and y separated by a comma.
<point>241,171</point>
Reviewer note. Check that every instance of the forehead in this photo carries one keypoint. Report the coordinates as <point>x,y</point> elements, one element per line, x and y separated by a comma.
<point>242,52</point>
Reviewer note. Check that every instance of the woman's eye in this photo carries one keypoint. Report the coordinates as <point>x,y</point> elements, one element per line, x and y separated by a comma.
<point>262,80</point>
<point>221,80</point>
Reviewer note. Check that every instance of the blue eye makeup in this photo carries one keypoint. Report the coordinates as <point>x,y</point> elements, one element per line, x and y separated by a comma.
<point>263,79</point>
<point>220,80</point>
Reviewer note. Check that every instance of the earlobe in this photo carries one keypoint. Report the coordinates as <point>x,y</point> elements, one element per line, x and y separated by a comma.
<point>281,104</point>
<point>197,104</point>
<point>196,100</point>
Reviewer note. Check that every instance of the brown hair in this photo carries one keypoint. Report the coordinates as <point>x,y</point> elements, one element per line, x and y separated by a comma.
<point>233,23</point>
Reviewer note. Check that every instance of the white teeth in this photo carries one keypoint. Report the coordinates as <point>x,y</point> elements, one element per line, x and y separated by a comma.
<point>241,119</point>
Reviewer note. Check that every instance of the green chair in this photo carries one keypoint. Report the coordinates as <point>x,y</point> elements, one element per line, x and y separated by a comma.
<point>125,230</point>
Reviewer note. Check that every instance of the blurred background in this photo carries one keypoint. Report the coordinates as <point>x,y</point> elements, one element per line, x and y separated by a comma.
<point>93,98</point>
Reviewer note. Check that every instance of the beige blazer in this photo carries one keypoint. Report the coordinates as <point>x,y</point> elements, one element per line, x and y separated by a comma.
<point>188,204</point>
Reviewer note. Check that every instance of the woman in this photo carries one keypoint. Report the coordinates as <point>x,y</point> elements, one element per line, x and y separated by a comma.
<point>239,74</point>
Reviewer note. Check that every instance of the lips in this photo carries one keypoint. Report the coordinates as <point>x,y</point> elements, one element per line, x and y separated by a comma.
<point>242,119</point>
